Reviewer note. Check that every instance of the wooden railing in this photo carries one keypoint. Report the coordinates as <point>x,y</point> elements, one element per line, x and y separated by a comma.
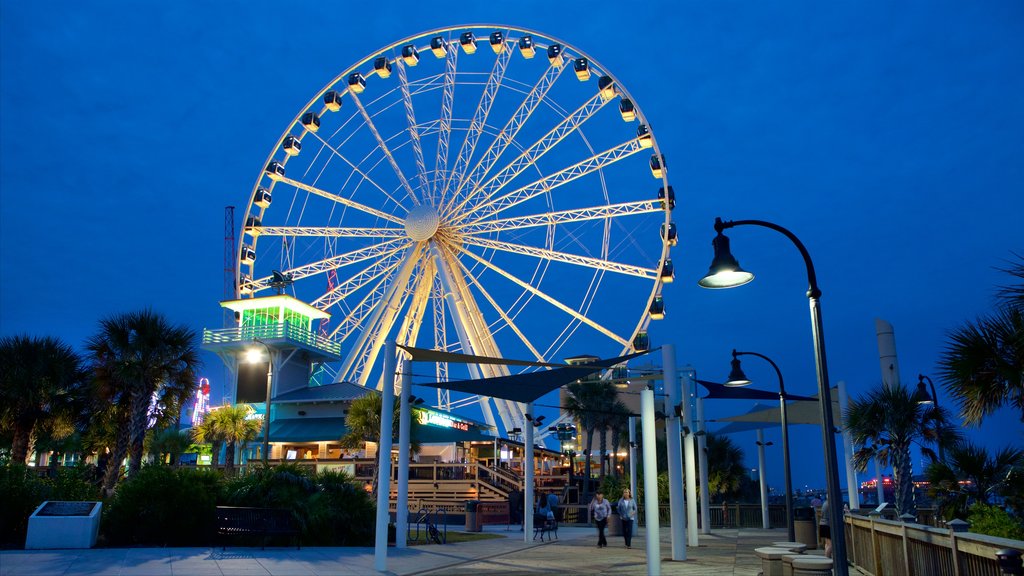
<point>890,548</point>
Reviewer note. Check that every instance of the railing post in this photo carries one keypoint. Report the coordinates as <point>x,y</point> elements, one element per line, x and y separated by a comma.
<point>906,552</point>
<point>954,545</point>
<point>875,552</point>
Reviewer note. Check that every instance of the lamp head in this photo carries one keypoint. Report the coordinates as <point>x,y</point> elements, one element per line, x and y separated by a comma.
<point>922,396</point>
<point>725,271</point>
<point>736,376</point>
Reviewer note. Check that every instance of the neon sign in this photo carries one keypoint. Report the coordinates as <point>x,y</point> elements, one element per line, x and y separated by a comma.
<point>442,420</point>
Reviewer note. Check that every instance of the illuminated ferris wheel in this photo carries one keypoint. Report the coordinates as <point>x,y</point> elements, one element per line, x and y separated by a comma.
<point>483,189</point>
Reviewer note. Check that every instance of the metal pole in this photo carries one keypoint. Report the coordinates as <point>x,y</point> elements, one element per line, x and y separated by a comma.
<point>852,485</point>
<point>765,523</point>
<point>528,476</point>
<point>632,456</point>
<point>404,425</point>
<point>935,408</point>
<point>689,457</point>
<point>387,415</point>
<point>702,456</point>
<point>650,483</point>
<point>677,515</point>
<point>266,409</point>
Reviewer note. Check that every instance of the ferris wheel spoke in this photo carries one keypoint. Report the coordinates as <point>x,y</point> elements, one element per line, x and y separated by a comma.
<point>444,135</point>
<point>501,312</point>
<point>440,340</point>
<point>409,331</point>
<point>548,183</point>
<point>553,255</point>
<point>476,125</point>
<point>561,217</point>
<point>335,262</point>
<point>355,169</point>
<point>414,134</point>
<point>506,135</point>
<point>379,324</point>
<point>341,200</point>
<point>550,300</point>
<point>357,281</point>
<point>384,148</point>
<point>331,232</point>
<point>534,152</point>
<point>356,314</point>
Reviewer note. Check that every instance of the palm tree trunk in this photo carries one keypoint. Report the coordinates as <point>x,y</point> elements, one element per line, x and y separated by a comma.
<point>616,443</point>
<point>19,445</point>
<point>215,453</point>
<point>229,459</point>
<point>137,430</point>
<point>586,469</point>
<point>903,484</point>
<point>604,454</point>
<point>116,457</point>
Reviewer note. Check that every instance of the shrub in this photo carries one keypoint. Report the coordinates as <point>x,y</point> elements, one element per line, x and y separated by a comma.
<point>22,490</point>
<point>163,506</point>
<point>994,521</point>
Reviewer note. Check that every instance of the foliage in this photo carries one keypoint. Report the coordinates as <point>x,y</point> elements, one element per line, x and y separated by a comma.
<point>589,402</point>
<point>995,521</point>
<point>982,366</point>
<point>884,423</point>
<point>970,474</point>
<point>22,490</point>
<point>231,425</point>
<point>167,444</point>
<point>725,467</point>
<point>136,356</point>
<point>42,390</point>
<point>163,506</point>
<point>329,507</point>
<point>612,487</point>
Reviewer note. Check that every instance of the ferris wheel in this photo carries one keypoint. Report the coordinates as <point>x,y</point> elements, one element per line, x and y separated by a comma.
<point>487,190</point>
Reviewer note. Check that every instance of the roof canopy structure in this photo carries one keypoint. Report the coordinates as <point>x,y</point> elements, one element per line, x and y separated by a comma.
<point>801,412</point>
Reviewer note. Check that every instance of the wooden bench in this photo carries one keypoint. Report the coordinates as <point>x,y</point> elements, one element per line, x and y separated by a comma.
<point>263,522</point>
<point>543,525</point>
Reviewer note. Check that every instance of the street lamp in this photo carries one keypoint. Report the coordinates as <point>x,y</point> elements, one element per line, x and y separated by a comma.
<point>253,356</point>
<point>923,398</point>
<point>738,378</point>
<point>725,272</point>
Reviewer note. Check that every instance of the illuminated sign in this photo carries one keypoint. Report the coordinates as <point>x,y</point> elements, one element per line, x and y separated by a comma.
<point>442,420</point>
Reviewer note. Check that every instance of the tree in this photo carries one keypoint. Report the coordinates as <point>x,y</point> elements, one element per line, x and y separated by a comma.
<point>725,466</point>
<point>162,443</point>
<point>620,428</point>
<point>231,425</point>
<point>588,401</point>
<point>363,423</point>
<point>42,390</point>
<point>884,424</point>
<point>147,367</point>
<point>971,475</point>
<point>982,365</point>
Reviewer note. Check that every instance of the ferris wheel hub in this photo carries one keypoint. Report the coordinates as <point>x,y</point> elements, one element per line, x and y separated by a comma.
<point>421,223</point>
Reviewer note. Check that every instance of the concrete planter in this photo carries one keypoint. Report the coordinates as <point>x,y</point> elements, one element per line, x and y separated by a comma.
<point>64,525</point>
<point>614,525</point>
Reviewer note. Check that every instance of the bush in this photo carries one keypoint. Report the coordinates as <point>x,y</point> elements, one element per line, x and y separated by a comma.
<point>163,506</point>
<point>22,490</point>
<point>994,521</point>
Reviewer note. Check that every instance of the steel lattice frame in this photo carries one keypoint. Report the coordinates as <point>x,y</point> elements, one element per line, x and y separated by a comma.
<point>537,232</point>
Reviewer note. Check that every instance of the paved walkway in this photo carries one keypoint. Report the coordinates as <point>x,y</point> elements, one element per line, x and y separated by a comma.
<point>723,553</point>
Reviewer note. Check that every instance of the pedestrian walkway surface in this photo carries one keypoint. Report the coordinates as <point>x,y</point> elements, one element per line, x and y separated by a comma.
<point>722,553</point>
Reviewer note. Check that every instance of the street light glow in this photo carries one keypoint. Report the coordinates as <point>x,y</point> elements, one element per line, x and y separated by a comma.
<point>253,356</point>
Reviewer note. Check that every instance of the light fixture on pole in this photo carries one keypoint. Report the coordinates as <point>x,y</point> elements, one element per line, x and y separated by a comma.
<point>253,356</point>
<point>924,398</point>
<point>738,378</point>
<point>725,272</point>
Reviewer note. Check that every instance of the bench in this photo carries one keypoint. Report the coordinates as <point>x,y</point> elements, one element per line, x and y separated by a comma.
<point>263,522</point>
<point>543,525</point>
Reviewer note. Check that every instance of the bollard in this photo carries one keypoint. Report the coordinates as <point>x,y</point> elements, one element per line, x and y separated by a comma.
<point>1010,562</point>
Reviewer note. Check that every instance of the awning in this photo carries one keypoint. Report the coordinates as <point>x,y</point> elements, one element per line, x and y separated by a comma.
<point>734,427</point>
<point>307,429</point>
<point>796,412</point>
<point>723,392</point>
<point>528,387</point>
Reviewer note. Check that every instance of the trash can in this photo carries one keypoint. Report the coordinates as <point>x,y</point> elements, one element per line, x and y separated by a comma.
<point>472,518</point>
<point>804,526</point>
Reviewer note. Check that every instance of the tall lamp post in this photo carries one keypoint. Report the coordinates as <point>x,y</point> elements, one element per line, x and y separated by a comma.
<point>924,398</point>
<point>738,378</point>
<point>725,272</point>
<point>254,356</point>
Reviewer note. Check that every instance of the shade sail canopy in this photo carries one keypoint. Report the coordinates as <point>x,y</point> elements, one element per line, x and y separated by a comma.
<point>527,387</point>
<point>723,392</point>
<point>802,412</point>
<point>734,427</point>
<point>427,355</point>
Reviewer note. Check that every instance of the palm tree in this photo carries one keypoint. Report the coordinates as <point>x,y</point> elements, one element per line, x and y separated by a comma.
<point>167,442</point>
<point>725,466</point>
<point>970,474</point>
<point>619,426</point>
<point>147,367</point>
<point>983,363</point>
<point>884,424</point>
<point>231,425</point>
<point>588,401</point>
<point>363,423</point>
<point>42,389</point>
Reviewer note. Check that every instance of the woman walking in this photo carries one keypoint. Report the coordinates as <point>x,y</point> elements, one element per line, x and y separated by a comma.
<point>599,510</point>
<point>825,530</point>
<point>627,511</point>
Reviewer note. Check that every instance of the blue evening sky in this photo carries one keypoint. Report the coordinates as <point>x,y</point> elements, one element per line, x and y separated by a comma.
<point>888,137</point>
